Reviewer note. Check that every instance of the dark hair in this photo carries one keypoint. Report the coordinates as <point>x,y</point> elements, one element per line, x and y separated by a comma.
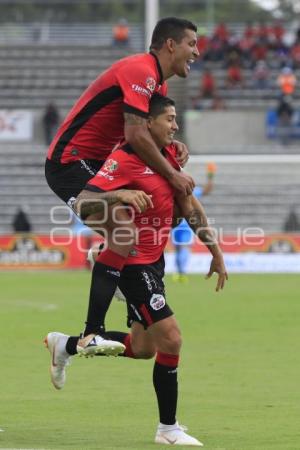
<point>170,27</point>
<point>158,104</point>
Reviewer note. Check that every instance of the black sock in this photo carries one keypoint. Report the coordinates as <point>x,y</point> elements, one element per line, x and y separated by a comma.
<point>104,283</point>
<point>116,336</point>
<point>166,387</point>
<point>71,345</point>
<point>124,338</point>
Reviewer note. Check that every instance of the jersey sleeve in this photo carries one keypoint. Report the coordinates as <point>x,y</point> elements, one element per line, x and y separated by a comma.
<point>164,89</point>
<point>138,84</point>
<point>114,174</point>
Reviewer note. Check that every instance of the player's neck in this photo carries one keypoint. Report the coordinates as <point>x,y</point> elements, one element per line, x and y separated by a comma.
<point>164,62</point>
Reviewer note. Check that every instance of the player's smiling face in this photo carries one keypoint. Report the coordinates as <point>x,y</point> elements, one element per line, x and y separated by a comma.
<point>184,54</point>
<point>163,127</point>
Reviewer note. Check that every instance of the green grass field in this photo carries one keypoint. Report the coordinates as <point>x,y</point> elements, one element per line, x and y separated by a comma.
<point>239,374</point>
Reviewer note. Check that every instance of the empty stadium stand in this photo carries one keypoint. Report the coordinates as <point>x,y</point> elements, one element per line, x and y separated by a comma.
<point>250,191</point>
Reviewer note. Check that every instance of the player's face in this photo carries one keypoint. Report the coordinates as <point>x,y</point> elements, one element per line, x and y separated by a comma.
<point>184,54</point>
<point>163,127</point>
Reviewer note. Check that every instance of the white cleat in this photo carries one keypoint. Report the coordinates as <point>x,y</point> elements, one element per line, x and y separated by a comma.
<point>175,436</point>
<point>56,344</point>
<point>101,346</point>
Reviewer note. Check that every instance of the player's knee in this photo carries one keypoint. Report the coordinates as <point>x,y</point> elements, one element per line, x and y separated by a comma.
<point>144,354</point>
<point>142,350</point>
<point>171,343</point>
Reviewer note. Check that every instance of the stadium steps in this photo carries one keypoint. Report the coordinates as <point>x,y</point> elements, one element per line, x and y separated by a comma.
<point>32,75</point>
<point>247,193</point>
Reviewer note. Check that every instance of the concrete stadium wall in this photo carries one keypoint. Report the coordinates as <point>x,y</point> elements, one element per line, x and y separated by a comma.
<point>212,129</point>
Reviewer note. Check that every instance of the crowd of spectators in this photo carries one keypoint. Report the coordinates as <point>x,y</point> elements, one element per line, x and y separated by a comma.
<point>260,49</point>
<point>262,42</point>
<point>262,56</point>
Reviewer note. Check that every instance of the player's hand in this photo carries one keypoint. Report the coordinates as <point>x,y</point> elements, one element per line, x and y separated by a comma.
<point>182,182</point>
<point>217,265</point>
<point>182,153</point>
<point>138,199</point>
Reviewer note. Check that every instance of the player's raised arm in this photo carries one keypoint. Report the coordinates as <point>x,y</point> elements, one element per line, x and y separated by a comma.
<point>194,213</point>
<point>138,136</point>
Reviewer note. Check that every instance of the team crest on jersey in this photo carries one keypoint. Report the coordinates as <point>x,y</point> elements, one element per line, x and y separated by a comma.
<point>150,83</point>
<point>110,165</point>
<point>157,301</point>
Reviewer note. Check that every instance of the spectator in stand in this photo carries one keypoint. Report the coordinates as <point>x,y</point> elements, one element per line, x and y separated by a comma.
<point>263,32</point>
<point>202,45</point>
<point>21,223</point>
<point>261,75</point>
<point>207,88</point>
<point>50,122</point>
<point>233,49</point>
<point>221,32</point>
<point>292,223</point>
<point>207,84</point>
<point>234,76</point>
<point>285,113</point>
<point>295,54</point>
<point>246,45</point>
<point>121,33</point>
<point>277,33</point>
<point>259,50</point>
<point>249,31</point>
<point>286,81</point>
<point>216,50</point>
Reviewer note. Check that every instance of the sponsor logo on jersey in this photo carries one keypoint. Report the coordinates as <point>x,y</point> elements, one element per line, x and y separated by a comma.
<point>140,90</point>
<point>116,273</point>
<point>157,302</point>
<point>85,166</point>
<point>150,83</point>
<point>105,175</point>
<point>147,280</point>
<point>110,165</point>
<point>148,171</point>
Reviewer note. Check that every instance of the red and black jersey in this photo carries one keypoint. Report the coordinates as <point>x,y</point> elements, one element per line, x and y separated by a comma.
<point>95,124</point>
<point>124,169</point>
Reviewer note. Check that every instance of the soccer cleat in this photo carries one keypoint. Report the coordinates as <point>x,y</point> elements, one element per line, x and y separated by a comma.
<point>101,346</point>
<point>56,344</point>
<point>175,436</point>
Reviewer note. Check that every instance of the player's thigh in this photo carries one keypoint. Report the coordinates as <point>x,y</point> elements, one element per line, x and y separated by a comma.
<point>142,342</point>
<point>68,180</point>
<point>144,290</point>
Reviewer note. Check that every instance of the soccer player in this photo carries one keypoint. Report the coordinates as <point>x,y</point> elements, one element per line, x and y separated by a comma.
<point>154,329</point>
<point>115,106</point>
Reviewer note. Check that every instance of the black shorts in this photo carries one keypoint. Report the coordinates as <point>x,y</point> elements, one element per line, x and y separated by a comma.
<point>67,180</point>
<point>144,290</point>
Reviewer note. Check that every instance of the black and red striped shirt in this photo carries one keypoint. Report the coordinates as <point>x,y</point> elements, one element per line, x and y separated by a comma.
<point>124,169</point>
<point>95,124</point>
